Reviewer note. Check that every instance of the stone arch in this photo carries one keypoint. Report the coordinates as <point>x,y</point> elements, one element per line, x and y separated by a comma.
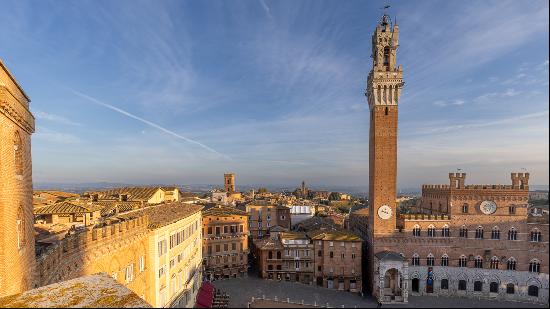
<point>462,276</point>
<point>510,279</point>
<point>414,275</point>
<point>494,278</point>
<point>478,276</point>
<point>534,281</point>
<point>114,265</point>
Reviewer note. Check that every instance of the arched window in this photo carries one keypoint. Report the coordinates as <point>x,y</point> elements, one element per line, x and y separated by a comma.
<point>536,235</point>
<point>463,261</point>
<point>270,255</point>
<point>431,231</point>
<point>510,288</point>
<point>478,286</point>
<point>445,231</point>
<point>444,284</point>
<point>430,260</point>
<point>494,262</point>
<point>462,285</point>
<point>416,231</point>
<point>533,290</point>
<point>445,260</point>
<point>415,260</point>
<point>463,232</point>
<point>534,266</point>
<point>479,232</point>
<point>18,153</point>
<point>495,233</point>
<point>478,262</point>
<point>493,287</point>
<point>279,255</point>
<point>511,264</point>
<point>512,234</point>
<point>511,209</point>
<point>465,208</point>
<point>21,239</point>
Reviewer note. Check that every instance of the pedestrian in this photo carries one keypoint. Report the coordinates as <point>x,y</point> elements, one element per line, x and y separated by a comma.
<point>379,304</point>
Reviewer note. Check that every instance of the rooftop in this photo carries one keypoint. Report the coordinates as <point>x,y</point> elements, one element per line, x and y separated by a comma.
<point>93,291</point>
<point>66,208</point>
<point>388,256</point>
<point>165,214</point>
<point>334,235</point>
<point>223,211</point>
<point>293,235</point>
<point>134,193</point>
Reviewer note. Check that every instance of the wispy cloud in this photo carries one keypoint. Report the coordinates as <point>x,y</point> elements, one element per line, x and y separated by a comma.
<point>55,118</point>
<point>442,103</point>
<point>56,137</point>
<point>147,122</point>
<point>266,8</point>
<point>476,124</point>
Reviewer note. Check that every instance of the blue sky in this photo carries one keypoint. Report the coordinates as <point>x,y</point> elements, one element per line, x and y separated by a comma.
<point>183,91</point>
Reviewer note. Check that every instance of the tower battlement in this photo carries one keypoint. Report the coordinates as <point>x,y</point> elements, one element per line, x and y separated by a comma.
<point>520,181</point>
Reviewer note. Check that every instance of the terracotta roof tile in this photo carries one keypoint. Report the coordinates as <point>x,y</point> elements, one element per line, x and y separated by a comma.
<point>65,208</point>
<point>334,235</point>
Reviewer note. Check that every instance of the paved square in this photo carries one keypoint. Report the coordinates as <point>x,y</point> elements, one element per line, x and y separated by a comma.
<point>241,291</point>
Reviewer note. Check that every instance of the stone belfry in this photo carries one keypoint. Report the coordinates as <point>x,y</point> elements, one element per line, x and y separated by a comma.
<point>384,86</point>
<point>229,182</point>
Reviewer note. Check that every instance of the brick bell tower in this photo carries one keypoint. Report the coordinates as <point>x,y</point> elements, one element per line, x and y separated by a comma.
<point>384,86</point>
<point>229,181</point>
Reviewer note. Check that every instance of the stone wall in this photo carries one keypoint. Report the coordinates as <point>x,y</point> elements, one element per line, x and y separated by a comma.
<point>520,279</point>
<point>16,218</point>
<point>109,249</point>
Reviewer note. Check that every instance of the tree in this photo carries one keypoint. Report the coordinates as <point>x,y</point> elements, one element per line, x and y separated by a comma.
<point>262,190</point>
<point>334,196</point>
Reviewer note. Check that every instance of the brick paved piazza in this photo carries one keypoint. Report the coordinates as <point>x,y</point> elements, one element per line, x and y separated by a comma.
<point>241,290</point>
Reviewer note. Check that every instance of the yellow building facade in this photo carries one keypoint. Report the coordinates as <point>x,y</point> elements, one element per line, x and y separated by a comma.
<point>225,242</point>
<point>175,255</point>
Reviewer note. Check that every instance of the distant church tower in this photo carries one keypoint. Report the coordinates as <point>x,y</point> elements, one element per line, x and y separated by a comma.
<point>383,90</point>
<point>229,180</point>
<point>17,256</point>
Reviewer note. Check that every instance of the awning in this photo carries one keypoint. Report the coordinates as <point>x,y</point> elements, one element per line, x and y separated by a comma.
<point>204,299</point>
<point>207,286</point>
<point>205,296</point>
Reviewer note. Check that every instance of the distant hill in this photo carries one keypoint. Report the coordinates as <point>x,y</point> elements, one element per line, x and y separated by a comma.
<point>358,191</point>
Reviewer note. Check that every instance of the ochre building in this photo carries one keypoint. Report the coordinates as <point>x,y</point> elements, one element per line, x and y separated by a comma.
<point>263,215</point>
<point>225,242</point>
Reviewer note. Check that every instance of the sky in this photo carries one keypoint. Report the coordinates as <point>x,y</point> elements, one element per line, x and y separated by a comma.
<point>184,91</point>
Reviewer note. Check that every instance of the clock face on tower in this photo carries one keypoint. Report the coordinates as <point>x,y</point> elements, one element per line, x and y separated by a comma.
<point>488,207</point>
<point>384,212</point>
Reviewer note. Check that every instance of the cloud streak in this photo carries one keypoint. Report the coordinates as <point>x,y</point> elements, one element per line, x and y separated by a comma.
<point>55,118</point>
<point>147,122</point>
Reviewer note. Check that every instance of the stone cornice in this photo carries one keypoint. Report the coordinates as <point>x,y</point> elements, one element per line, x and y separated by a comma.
<point>14,110</point>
